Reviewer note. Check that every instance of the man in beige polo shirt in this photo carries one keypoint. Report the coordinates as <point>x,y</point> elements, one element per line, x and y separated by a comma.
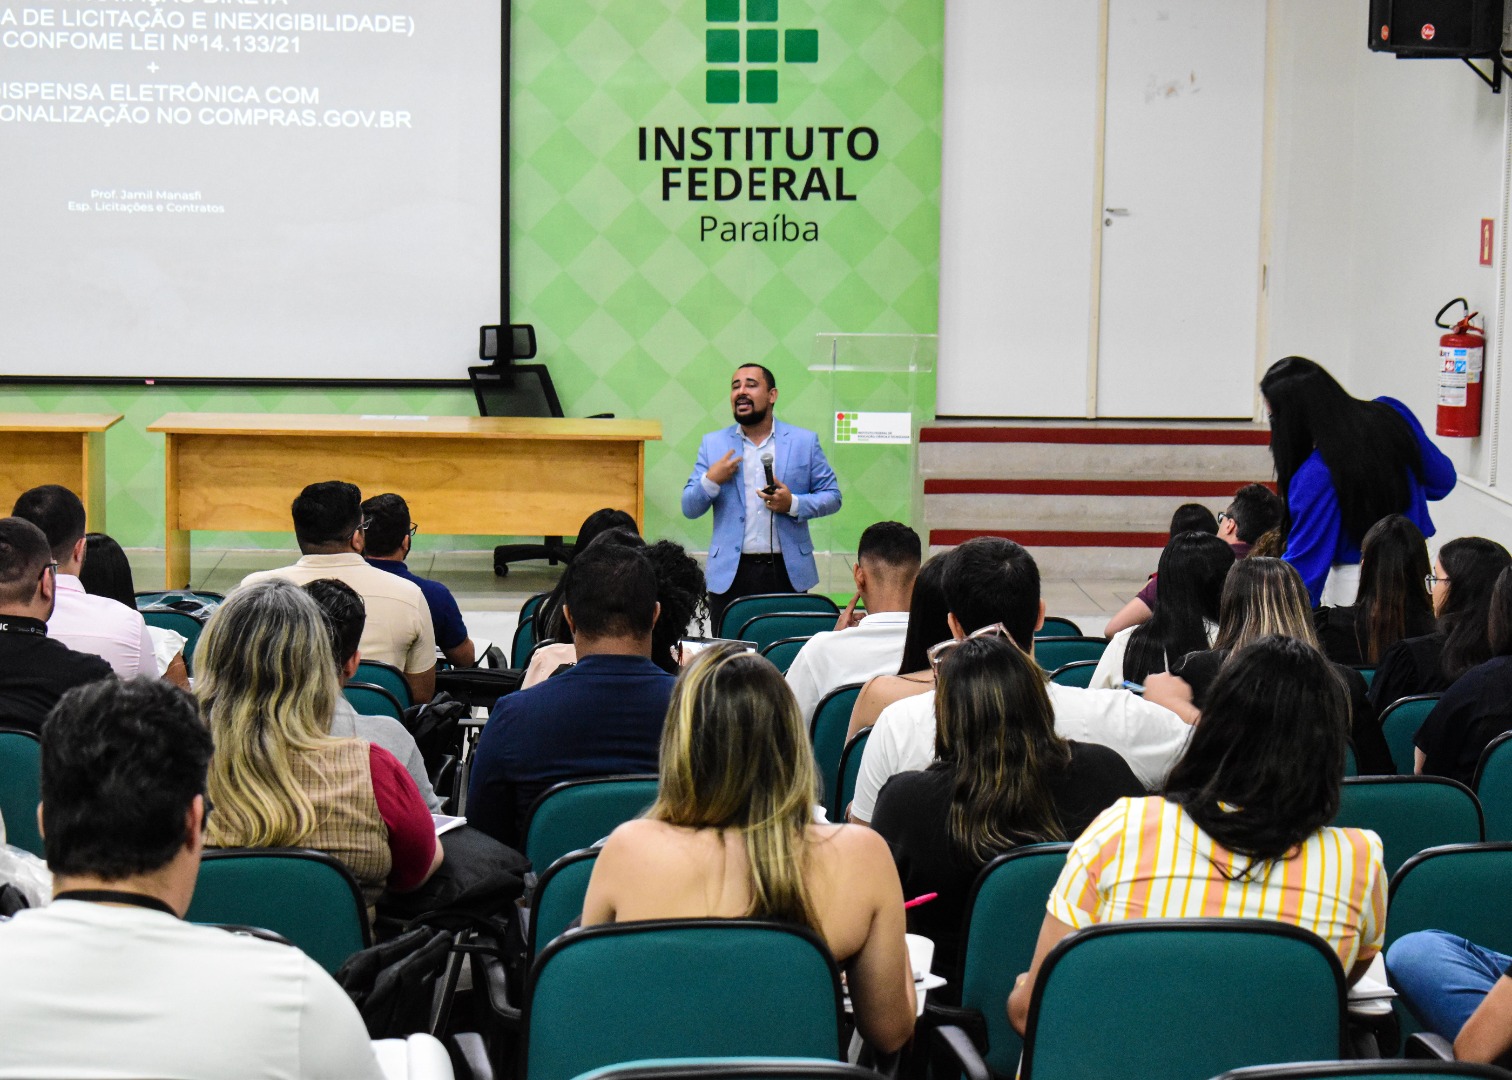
<point>329,527</point>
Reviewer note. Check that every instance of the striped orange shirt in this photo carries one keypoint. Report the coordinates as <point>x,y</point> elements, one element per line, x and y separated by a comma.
<point>1147,859</point>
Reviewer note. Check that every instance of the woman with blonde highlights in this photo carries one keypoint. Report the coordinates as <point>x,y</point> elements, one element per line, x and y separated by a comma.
<point>267,687</point>
<point>732,835</point>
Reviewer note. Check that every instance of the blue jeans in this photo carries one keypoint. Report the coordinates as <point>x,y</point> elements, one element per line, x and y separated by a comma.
<point>1443,978</point>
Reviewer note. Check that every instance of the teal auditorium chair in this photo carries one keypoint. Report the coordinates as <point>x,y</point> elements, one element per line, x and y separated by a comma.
<point>558,897</point>
<point>850,768</point>
<point>523,643</point>
<point>1493,787</point>
<point>531,605</point>
<point>1351,764</point>
<point>743,610</point>
<point>579,813</point>
<point>370,700</point>
<point>1056,626</point>
<point>1400,722</point>
<point>782,653</point>
<point>1057,652</point>
<point>308,897</point>
<point>679,989</point>
<point>827,734</point>
<point>187,625</point>
<point>21,789</point>
<point>377,673</point>
<point>1461,888</point>
<point>1213,994</point>
<point>1366,1070</point>
<point>1077,673</point>
<point>1410,813</point>
<point>1367,672</point>
<point>1003,918</point>
<point>742,1068</point>
<point>776,625</point>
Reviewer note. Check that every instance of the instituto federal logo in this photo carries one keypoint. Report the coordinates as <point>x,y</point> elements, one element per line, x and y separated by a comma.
<point>723,46</point>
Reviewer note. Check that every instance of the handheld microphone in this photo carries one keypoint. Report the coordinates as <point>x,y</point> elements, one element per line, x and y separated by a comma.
<point>771,478</point>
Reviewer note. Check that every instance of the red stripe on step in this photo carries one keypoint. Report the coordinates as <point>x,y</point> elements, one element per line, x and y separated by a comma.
<point>1174,488</point>
<point>1098,436</point>
<point>1053,538</point>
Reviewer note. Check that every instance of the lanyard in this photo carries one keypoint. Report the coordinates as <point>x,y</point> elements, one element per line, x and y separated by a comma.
<point>114,896</point>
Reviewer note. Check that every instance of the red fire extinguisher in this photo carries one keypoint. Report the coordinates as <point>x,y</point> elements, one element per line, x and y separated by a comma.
<point>1461,354</point>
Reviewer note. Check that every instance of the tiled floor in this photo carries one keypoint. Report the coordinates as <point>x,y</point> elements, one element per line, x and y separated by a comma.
<point>492,603</point>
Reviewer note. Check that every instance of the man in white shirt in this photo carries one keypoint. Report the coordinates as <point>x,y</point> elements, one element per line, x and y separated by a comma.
<point>887,561</point>
<point>85,623</point>
<point>990,581</point>
<point>108,980</point>
<point>329,526</point>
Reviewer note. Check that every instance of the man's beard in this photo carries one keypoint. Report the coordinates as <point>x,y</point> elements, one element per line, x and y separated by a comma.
<point>755,418</point>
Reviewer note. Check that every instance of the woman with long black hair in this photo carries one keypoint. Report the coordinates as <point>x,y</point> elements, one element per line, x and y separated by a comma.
<point>1392,603</point>
<point>1342,464</point>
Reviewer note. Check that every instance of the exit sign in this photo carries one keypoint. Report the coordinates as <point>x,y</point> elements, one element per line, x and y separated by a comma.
<point>1487,232</point>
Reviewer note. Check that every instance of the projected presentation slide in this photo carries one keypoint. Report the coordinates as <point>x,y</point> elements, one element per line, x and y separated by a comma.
<point>248,188</point>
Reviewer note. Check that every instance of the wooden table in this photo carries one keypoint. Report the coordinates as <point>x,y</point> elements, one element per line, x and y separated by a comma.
<point>56,448</point>
<point>493,475</point>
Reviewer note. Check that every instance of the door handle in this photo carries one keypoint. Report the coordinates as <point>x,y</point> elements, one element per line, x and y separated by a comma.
<point>1116,211</point>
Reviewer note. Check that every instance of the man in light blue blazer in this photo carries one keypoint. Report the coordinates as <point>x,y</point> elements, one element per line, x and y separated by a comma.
<point>761,538</point>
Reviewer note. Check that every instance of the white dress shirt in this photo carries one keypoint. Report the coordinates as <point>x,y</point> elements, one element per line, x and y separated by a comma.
<point>105,627</point>
<point>760,536</point>
<point>835,658</point>
<point>1150,738</point>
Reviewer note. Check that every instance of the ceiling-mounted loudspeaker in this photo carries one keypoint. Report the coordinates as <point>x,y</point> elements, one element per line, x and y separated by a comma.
<point>1425,29</point>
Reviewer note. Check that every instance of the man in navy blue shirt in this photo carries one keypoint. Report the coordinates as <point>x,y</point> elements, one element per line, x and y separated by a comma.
<point>602,717</point>
<point>388,535</point>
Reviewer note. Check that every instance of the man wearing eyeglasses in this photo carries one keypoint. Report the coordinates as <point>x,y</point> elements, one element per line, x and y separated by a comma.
<point>35,670</point>
<point>389,533</point>
<point>331,530</point>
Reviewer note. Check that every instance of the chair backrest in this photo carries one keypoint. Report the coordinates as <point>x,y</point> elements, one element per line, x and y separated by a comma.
<point>1003,919</point>
<point>1351,763</point>
<point>1057,626</point>
<point>370,700</point>
<point>1410,813</point>
<point>377,673</point>
<point>1183,999</point>
<point>827,734</point>
<point>742,610</point>
<point>1365,1070</point>
<point>558,897</point>
<point>523,643</point>
<point>776,625</point>
<point>1400,722</point>
<point>1367,672</point>
<point>21,788</point>
<point>679,988</point>
<point>850,768</point>
<point>782,652</point>
<point>1493,786</point>
<point>741,1068</point>
<point>306,896</point>
<point>1057,652</point>
<point>579,813</point>
<point>1460,888</point>
<point>531,605</point>
<point>187,625</point>
<point>1077,673</point>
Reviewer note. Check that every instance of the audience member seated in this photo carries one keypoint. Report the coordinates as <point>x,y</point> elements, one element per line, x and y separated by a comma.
<point>329,525</point>
<point>386,545</point>
<point>1463,575</point>
<point>1242,828</point>
<point>602,717</point>
<point>1001,777</point>
<point>1254,511</point>
<point>1265,596</point>
<point>548,616</point>
<point>1456,989</point>
<point>887,562</point>
<point>344,616</point>
<point>992,585</point>
<point>927,626</point>
<point>107,573</point>
<point>1478,707</point>
<point>732,835</point>
<point>266,680</point>
<point>1193,567</point>
<point>87,623</point>
<point>679,590</point>
<point>108,980</point>
<point>35,669</point>
<point>1392,603</point>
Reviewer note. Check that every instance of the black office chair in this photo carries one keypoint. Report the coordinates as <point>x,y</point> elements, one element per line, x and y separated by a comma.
<point>508,388</point>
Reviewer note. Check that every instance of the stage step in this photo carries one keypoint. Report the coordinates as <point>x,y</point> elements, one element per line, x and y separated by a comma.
<point>1089,498</point>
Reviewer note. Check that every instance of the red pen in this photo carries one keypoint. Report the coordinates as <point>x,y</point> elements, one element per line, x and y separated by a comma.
<point>916,901</point>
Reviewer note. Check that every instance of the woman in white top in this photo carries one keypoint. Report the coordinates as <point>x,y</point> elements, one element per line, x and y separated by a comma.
<point>1193,567</point>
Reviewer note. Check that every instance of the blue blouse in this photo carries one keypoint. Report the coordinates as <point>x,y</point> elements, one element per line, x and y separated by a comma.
<point>1318,540</point>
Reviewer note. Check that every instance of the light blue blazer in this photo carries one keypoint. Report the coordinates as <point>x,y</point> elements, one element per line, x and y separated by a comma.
<point>801,465</point>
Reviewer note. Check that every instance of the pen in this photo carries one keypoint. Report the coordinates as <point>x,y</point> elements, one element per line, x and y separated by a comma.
<point>916,901</point>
